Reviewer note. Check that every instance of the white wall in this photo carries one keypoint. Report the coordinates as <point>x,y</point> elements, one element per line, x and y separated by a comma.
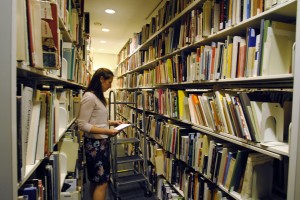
<point>104,60</point>
<point>108,61</point>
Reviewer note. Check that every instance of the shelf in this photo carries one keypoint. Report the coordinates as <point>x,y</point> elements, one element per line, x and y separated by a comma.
<point>127,140</point>
<point>44,77</point>
<point>285,84</point>
<point>125,118</point>
<point>273,151</point>
<point>63,130</point>
<point>284,12</point>
<point>172,21</point>
<point>241,142</point>
<point>180,192</point>
<point>234,195</point>
<point>151,38</point>
<point>281,81</point>
<point>31,168</point>
<point>65,33</point>
<point>28,172</point>
<point>139,129</point>
<point>62,168</point>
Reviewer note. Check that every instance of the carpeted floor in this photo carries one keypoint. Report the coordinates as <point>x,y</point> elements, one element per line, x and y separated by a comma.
<point>133,191</point>
<point>128,192</point>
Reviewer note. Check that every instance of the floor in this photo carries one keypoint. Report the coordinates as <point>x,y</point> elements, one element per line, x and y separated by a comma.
<point>128,192</point>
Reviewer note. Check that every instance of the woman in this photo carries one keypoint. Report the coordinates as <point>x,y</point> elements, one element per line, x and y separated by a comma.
<point>93,120</point>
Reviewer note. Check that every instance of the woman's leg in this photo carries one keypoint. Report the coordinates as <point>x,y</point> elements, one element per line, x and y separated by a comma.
<point>100,192</point>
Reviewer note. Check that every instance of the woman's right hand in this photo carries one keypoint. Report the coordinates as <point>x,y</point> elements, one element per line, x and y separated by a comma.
<point>113,132</point>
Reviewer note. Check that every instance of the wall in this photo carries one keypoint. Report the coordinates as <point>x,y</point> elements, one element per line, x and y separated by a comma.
<point>108,61</point>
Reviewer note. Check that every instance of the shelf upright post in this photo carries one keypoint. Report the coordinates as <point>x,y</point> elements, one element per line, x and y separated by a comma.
<point>135,125</point>
<point>294,138</point>
<point>145,155</point>
<point>113,145</point>
<point>8,135</point>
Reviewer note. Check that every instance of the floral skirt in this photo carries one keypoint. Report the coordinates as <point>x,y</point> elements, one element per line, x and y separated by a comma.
<point>97,153</point>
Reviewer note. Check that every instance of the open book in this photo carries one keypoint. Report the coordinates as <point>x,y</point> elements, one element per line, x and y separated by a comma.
<point>122,126</point>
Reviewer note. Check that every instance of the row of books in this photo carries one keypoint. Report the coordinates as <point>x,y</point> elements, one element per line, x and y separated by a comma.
<point>42,118</point>
<point>124,52</point>
<point>240,114</point>
<point>244,115</point>
<point>196,25</point>
<point>156,23</point>
<point>74,69</point>
<point>200,22</point>
<point>51,182</point>
<point>161,187</point>
<point>47,34</point>
<point>48,186</point>
<point>166,190</point>
<point>126,96</point>
<point>234,169</point>
<point>33,189</point>
<point>236,57</point>
<point>217,162</point>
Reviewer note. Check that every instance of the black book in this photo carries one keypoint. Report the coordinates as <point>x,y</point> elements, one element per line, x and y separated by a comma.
<point>184,66</point>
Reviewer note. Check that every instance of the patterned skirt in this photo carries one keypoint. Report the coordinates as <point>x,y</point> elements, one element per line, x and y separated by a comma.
<point>97,153</point>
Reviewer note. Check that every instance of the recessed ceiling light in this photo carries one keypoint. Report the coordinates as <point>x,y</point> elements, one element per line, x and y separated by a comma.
<point>103,41</point>
<point>110,11</point>
<point>105,30</point>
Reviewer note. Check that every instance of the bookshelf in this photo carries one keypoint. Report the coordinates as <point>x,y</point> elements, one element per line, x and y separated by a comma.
<point>139,71</point>
<point>14,73</point>
<point>8,75</point>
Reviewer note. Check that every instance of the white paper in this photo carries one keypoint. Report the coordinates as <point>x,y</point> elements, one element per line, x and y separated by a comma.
<point>122,126</point>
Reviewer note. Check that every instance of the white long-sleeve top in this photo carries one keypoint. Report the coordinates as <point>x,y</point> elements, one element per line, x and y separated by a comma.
<point>92,113</point>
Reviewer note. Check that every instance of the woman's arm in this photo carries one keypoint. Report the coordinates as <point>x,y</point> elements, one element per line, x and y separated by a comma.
<point>104,131</point>
<point>86,110</point>
<point>115,123</point>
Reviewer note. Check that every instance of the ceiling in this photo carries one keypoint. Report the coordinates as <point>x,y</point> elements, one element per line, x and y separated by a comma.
<point>130,16</point>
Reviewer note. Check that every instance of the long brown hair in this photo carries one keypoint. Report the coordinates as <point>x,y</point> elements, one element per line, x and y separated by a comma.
<point>95,85</point>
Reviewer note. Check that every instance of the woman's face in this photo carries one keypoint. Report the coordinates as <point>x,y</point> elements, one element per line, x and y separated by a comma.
<point>106,84</point>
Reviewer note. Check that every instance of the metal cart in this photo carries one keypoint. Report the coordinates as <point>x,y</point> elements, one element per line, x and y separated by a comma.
<point>138,172</point>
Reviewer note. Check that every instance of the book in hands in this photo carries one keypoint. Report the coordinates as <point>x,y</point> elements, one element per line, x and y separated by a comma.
<point>122,126</point>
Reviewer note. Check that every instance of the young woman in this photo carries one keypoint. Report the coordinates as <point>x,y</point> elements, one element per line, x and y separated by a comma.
<point>93,120</point>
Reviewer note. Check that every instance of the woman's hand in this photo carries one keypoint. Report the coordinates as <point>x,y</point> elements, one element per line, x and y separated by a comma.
<point>115,123</point>
<point>113,132</point>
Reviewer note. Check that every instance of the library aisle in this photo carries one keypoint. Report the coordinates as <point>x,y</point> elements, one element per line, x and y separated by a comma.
<point>131,191</point>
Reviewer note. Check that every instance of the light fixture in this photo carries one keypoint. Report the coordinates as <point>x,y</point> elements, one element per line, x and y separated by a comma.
<point>100,49</point>
<point>105,30</point>
<point>97,24</point>
<point>110,11</point>
<point>103,41</point>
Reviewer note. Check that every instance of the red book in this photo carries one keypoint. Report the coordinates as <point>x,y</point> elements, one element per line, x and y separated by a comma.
<point>52,19</point>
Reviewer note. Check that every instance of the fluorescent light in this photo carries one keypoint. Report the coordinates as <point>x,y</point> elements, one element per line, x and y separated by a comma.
<point>100,49</point>
<point>103,41</point>
<point>110,11</point>
<point>105,30</point>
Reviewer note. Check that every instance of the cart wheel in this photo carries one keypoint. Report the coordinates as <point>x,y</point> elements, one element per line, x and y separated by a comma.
<point>148,194</point>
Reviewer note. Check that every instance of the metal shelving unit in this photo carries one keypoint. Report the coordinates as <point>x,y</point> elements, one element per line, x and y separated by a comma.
<point>137,174</point>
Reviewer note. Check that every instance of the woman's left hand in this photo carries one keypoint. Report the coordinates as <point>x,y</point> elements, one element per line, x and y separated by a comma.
<point>116,123</point>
